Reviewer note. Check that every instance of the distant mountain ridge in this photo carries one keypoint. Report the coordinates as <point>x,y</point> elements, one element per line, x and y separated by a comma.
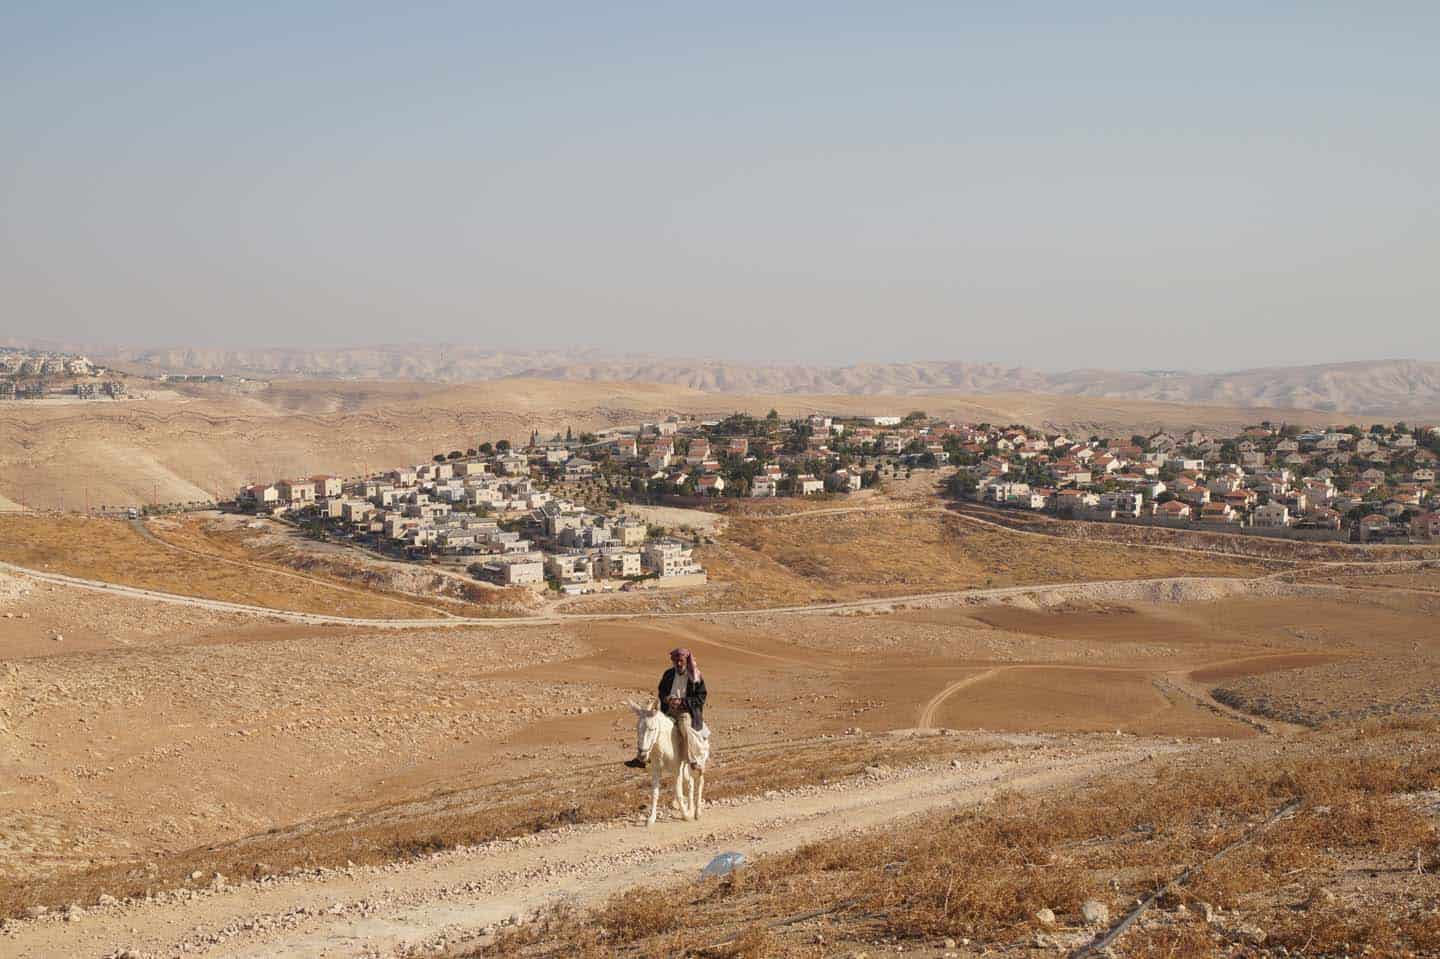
<point>1394,387</point>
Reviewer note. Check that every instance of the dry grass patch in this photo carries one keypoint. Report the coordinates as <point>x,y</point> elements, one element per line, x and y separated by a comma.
<point>422,587</point>
<point>839,557</point>
<point>984,873</point>
<point>456,818</point>
<point>113,551</point>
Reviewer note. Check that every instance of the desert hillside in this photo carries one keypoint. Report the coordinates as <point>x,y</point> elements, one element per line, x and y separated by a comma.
<point>208,440</point>
<point>1397,387</point>
<point>1405,387</point>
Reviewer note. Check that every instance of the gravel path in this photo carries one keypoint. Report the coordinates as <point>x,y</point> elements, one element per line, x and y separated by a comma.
<point>461,895</point>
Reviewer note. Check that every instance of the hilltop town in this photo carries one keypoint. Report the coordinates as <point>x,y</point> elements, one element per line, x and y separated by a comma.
<point>1369,485</point>
<point>551,511</point>
<point>46,374</point>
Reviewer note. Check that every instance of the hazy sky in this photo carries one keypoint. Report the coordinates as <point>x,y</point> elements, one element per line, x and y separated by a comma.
<point>1048,184</point>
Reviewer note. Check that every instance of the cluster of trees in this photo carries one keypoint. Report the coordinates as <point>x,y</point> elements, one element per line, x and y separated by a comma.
<point>484,449</point>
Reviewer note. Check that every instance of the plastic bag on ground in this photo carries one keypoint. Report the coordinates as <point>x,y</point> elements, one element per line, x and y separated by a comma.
<point>724,864</point>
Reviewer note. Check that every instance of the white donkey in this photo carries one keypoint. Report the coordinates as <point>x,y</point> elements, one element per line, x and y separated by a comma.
<point>658,742</point>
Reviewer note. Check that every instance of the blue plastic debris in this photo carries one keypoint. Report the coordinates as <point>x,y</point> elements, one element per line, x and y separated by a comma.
<point>724,864</point>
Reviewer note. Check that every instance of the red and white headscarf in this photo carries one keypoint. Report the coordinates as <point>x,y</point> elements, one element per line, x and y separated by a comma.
<point>687,659</point>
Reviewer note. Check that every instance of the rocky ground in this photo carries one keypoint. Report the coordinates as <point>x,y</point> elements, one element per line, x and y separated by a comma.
<point>148,733</point>
<point>466,895</point>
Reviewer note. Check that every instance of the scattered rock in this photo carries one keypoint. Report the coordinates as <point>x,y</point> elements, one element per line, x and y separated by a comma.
<point>197,875</point>
<point>58,637</point>
<point>35,912</point>
<point>1250,934</point>
<point>1094,912</point>
<point>950,944</point>
<point>1319,898</point>
<point>1046,917</point>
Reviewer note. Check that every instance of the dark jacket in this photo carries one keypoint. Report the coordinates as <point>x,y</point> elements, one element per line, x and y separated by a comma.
<point>694,698</point>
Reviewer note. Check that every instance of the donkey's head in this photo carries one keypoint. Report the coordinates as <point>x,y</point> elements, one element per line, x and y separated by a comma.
<point>648,727</point>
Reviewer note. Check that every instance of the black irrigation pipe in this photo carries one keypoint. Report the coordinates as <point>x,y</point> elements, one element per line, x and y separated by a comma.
<point>1116,931</point>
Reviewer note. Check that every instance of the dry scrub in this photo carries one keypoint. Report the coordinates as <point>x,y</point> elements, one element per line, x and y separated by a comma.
<point>455,818</point>
<point>423,587</point>
<point>983,874</point>
<point>838,557</point>
<point>113,551</point>
<point>1260,548</point>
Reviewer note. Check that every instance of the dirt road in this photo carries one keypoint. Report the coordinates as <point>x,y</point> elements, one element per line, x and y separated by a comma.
<point>887,603</point>
<point>455,896</point>
<point>143,528</point>
<point>1181,681</point>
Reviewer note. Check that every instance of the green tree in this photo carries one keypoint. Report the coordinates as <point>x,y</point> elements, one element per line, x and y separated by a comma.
<point>962,485</point>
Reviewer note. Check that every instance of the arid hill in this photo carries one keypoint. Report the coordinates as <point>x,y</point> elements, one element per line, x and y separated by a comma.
<point>200,441</point>
<point>1399,387</point>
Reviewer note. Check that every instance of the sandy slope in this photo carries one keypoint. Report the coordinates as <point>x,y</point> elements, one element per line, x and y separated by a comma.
<point>454,896</point>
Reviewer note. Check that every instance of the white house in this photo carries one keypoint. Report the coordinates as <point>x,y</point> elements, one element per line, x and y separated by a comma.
<point>1271,515</point>
<point>670,557</point>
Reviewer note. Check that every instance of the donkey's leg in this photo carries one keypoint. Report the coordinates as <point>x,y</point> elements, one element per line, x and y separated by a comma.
<point>654,790</point>
<point>678,738</point>
<point>682,797</point>
<point>699,800</point>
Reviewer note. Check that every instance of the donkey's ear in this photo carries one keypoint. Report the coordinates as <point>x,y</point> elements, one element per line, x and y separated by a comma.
<point>634,708</point>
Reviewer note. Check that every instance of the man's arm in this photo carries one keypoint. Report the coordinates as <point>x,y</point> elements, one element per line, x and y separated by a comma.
<point>697,693</point>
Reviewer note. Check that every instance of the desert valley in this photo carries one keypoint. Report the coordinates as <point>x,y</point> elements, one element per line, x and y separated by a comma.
<point>942,725</point>
<point>679,481</point>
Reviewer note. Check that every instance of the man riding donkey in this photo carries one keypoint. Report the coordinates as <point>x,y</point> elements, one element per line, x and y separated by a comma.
<point>682,694</point>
